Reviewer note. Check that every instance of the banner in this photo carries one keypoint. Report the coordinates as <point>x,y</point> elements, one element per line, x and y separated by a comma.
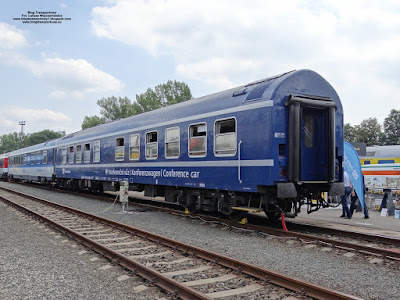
<point>352,166</point>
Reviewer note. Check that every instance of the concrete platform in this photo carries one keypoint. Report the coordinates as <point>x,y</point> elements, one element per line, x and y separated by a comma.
<point>330,217</point>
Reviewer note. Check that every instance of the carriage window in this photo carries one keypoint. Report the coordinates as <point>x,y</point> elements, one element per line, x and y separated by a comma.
<point>172,142</point>
<point>386,161</point>
<point>44,157</point>
<point>367,162</point>
<point>134,147</point>
<point>225,137</point>
<point>37,157</point>
<point>25,160</point>
<point>151,145</point>
<point>96,151</point>
<point>119,149</point>
<point>64,155</point>
<point>87,153</point>
<point>78,154</point>
<point>71,155</point>
<point>308,130</point>
<point>198,140</point>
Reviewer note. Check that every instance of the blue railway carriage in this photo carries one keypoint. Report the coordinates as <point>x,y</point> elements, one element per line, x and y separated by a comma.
<point>268,145</point>
<point>34,163</point>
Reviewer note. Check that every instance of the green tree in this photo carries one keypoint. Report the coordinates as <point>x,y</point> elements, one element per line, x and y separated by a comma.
<point>350,134</point>
<point>92,121</point>
<point>40,137</point>
<point>163,95</point>
<point>391,126</point>
<point>10,142</point>
<point>369,131</point>
<point>113,108</point>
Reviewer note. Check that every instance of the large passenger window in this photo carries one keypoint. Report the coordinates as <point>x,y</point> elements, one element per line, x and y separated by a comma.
<point>96,151</point>
<point>225,137</point>
<point>134,147</point>
<point>87,153</point>
<point>198,140</point>
<point>119,149</point>
<point>71,155</point>
<point>78,154</point>
<point>151,145</point>
<point>172,142</point>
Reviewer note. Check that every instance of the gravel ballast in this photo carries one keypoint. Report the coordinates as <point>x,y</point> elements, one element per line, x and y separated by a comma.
<point>346,274</point>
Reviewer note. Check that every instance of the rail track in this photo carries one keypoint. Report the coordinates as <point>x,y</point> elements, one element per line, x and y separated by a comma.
<point>182,270</point>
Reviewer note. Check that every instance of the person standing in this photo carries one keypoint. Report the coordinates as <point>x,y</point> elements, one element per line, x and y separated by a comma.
<point>354,198</point>
<point>347,191</point>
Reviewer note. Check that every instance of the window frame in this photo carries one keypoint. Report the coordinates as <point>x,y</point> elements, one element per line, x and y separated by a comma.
<point>78,158</point>
<point>215,137</point>
<point>206,142</point>
<point>146,143</point>
<point>73,154</point>
<point>63,155</point>
<point>94,151</point>
<point>178,142</point>
<point>138,145</point>
<point>119,147</point>
<point>45,154</point>
<point>84,153</point>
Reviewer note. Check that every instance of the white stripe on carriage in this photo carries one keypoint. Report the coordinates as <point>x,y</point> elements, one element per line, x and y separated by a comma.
<point>178,164</point>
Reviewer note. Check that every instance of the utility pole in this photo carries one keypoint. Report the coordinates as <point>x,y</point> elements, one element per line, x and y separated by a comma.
<point>22,123</point>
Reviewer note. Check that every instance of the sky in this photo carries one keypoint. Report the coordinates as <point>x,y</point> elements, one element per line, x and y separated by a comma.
<point>52,74</point>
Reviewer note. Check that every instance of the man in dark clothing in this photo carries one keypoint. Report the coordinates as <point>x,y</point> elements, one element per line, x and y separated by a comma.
<point>354,198</point>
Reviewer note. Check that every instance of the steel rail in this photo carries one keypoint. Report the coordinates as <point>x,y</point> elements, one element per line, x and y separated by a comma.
<point>184,292</point>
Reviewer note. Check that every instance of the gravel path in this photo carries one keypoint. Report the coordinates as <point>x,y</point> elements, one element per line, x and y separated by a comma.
<point>356,277</point>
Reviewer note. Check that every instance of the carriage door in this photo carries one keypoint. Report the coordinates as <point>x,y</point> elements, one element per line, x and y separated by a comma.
<point>313,145</point>
<point>311,139</point>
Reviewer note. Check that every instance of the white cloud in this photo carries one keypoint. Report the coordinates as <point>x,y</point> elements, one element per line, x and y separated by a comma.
<point>224,43</point>
<point>11,37</point>
<point>66,77</point>
<point>73,77</point>
<point>36,119</point>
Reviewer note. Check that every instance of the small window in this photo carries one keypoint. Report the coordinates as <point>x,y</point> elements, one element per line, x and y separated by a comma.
<point>25,159</point>
<point>71,155</point>
<point>87,153</point>
<point>96,151</point>
<point>37,157</point>
<point>308,130</point>
<point>151,145</point>
<point>44,157</point>
<point>78,153</point>
<point>386,161</point>
<point>367,162</point>
<point>198,140</point>
<point>64,155</point>
<point>134,147</point>
<point>172,142</point>
<point>225,137</point>
<point>119,149</point>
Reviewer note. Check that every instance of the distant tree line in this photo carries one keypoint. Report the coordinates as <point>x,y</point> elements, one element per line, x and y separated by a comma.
<point>113,108</point>
<point>13,141</point>
<point>372,133</point>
